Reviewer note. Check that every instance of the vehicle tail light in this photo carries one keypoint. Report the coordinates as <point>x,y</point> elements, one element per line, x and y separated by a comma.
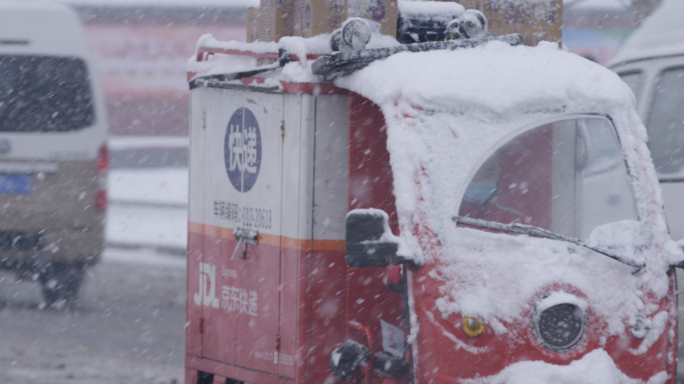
<point>101,188</point>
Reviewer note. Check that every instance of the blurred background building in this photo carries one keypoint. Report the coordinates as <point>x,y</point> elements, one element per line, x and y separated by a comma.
<point>597,28</point>
<point>141,49</point>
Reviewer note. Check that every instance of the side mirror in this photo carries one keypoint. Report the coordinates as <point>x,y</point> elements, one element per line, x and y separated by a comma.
<point>369,242</point>
<point>679,263</point>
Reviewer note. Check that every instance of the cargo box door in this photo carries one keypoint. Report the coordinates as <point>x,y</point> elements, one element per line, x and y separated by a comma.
<point>240,265</point>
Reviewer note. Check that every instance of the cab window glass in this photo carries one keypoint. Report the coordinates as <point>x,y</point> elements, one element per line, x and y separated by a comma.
<point>633,80</point>
<point>44,94</point>
<point>568,177</point>
<point>666,124</point>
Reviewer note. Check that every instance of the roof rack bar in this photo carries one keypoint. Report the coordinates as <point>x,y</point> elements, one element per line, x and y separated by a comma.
<point>344,63</point>
<point>204,52</point>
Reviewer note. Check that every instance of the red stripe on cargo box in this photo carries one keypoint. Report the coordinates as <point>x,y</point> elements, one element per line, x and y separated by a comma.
<point>267,239</point>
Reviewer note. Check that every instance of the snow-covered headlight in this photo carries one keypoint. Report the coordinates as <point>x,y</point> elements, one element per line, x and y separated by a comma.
<point>560,321</point>
<point>473,326</point>
<point>354,35</point>
<point>640,327</point>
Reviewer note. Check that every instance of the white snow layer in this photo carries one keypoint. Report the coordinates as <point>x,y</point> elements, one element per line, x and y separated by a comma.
<point>446,112</point>
<point>596,4</point>
<point>491,79</point>
<point>296,71</point>
<point>443,8</point>
<point>148,208</point>
<point>122,143</point>
<point>596,367</point>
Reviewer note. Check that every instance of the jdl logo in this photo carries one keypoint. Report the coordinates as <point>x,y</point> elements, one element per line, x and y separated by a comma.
<point>206,295</point>
<point>242,149</point>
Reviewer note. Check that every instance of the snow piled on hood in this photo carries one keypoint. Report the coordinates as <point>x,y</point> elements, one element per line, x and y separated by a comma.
<point>595,367</point>
<point>506,274</point>
<point>446,112</point>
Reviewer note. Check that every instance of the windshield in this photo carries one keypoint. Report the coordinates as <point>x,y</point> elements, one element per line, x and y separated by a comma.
<point>666,124</point>
<point>633,79</point>
<point>568,177</point>
<point>44,94</point>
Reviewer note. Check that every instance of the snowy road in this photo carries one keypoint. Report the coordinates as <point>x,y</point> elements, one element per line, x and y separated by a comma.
<point>128,326</point>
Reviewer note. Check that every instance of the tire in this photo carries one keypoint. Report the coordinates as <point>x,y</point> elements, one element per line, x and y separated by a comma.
<point>60,283</point>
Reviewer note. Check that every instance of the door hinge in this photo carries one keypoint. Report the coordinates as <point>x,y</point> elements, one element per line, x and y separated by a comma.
<point>201,325</point>
<point>277,350</point>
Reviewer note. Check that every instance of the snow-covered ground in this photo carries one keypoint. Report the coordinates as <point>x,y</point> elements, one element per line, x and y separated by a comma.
<point>156,186</point>
<point>147,206</point>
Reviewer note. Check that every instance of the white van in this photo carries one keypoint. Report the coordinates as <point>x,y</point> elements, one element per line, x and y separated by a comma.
<point>53,154</point>
<point>652,63</point>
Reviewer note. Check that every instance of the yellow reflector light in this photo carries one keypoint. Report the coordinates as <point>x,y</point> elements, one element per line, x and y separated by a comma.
<point>473,326</point>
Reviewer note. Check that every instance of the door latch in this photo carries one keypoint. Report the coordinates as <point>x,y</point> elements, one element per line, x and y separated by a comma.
<point>244,236</point>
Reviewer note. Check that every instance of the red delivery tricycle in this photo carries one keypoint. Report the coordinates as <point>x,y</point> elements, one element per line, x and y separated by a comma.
<point>461,211</point>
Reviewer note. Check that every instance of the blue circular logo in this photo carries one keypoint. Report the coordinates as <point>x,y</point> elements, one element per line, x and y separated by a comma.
<point>242,149</point>
<point>377,10</point>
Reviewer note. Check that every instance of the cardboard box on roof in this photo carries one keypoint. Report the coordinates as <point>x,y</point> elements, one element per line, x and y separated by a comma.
<point>314,17</point>
<point>535,20</point>
<point>252,9</point>
<point>274,19</point>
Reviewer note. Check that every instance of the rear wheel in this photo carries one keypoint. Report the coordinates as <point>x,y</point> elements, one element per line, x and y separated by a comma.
<point>61,282</point>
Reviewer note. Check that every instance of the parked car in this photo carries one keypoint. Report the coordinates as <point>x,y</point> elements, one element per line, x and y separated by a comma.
<point>53,154</point>
<point>652,63</point>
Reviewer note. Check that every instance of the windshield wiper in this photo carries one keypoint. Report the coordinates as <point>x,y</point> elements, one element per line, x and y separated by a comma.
<point>540,232</point>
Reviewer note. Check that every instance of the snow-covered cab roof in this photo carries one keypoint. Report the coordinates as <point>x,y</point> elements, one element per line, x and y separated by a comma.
<point>447,111</point>
<point>495,77</point>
